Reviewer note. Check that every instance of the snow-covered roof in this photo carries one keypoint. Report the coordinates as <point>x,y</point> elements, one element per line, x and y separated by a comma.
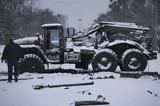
<point>51,25</point>
<point>120,23</point>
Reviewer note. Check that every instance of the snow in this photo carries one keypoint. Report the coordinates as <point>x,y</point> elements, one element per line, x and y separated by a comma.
<point>28,40</point>
<point>154,65</point>
<point>29,46</point>
<point>79,48</point>
<point>50,25</point>
<point>3,67</point>
<point>125,25</point>
<point>118,91</point>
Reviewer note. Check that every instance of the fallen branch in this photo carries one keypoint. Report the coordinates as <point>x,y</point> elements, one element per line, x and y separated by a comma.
<point>18,79</point>
<point>38,87</point>
<point>153,74</point>
<point>130,74</point>
<point>153,93</point>
<point>138,74</point>
<point>82,103</point>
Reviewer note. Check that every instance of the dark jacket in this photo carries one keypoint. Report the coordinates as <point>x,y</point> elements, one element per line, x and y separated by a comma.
<point>12,52</point>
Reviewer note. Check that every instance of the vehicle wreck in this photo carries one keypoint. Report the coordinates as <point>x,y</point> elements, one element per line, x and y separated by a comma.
<point>115,44</point>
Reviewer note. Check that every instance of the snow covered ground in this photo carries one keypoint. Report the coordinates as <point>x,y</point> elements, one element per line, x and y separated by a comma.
<point>119,91</point>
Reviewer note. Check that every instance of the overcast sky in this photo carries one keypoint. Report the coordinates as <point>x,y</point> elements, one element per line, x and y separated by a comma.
<point>76,10</point>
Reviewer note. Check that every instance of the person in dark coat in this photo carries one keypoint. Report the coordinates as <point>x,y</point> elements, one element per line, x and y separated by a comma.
<point>11,55</point>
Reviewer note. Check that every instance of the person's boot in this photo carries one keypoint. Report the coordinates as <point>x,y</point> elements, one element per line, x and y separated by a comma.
<point>9,81</point>
<point>16,79</point>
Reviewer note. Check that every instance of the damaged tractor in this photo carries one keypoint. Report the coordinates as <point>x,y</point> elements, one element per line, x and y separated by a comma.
<point>109,44</point>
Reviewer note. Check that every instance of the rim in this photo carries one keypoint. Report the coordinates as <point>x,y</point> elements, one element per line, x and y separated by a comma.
<point>50,57</point>
<point>134,63</point>
<point>104,63</point>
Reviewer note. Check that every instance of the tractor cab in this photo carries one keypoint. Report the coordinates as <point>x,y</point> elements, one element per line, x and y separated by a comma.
<point>53,42</point>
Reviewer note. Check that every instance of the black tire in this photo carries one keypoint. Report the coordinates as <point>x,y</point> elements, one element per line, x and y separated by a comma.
<point>105,61</point>
<point>31,63</point>
<point>133,60</point>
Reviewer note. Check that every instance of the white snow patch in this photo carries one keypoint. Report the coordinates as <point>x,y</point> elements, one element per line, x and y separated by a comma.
<point>29,46</point>
<point>51,25</point>
<point>3,66</point>
<point>125,25</point>
<point>154,65</point>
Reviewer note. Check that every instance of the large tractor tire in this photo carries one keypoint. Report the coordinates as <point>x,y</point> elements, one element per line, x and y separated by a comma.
<point>105,61</point>
<point>31,63</point>
<point>133,60</point>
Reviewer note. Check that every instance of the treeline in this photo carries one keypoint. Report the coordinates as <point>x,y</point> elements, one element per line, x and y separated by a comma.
<point>145,12</point>
<point>21,18</point>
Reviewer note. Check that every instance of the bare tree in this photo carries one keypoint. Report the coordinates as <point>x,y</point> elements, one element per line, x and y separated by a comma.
<point>19,18</point>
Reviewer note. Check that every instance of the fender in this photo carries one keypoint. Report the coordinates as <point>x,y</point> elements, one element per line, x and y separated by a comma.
<point>33,49</point>
<point>130,44</point>
<point>26,41</point>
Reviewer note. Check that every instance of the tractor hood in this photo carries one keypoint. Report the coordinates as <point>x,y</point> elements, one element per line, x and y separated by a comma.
<point>26,41</point>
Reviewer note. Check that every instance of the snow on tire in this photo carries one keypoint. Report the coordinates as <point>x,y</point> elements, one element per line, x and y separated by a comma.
<point>31,63</point>
<point>105,60</point>
<point>133,60</point>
